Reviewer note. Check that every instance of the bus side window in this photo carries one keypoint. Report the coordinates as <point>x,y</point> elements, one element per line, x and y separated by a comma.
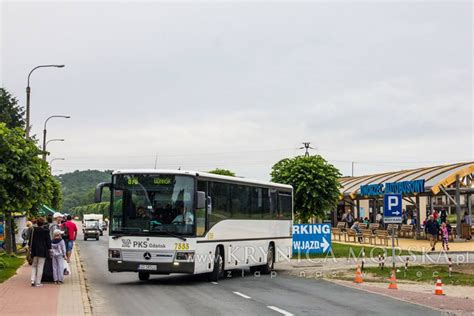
<point>273,204</point>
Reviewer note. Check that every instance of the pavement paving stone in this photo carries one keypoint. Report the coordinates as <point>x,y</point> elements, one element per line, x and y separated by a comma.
<point>18,297</point>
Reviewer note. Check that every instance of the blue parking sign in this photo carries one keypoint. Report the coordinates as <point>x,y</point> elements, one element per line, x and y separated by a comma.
<point>311,238</point>
<point>392,208</point>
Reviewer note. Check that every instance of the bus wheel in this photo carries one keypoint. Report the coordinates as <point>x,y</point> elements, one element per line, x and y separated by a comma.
<point>143,276</point>
<point>218,270</point>
<point>267,269</point>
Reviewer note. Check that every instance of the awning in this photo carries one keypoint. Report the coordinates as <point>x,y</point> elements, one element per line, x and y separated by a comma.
<point>432,178</point>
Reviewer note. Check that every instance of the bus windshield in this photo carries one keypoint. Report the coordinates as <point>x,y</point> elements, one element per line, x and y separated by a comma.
<point>152,204</point>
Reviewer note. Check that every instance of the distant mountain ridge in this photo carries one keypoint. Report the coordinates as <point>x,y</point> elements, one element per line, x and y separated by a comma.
<point>78,187</point>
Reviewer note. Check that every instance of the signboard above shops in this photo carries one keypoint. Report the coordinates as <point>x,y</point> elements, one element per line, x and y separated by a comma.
<point>404,187</point>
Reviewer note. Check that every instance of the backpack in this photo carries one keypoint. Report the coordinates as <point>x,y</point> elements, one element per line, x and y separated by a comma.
<point>65,232</point>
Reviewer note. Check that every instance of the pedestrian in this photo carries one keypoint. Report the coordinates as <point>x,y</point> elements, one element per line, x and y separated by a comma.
<point>444,236</point>
<point>435,215</point>
<point>56,224</point>
<point>443,215</point>
<point>378,218</point>
<point>40,243</point>
<point>349,219</point>
<point>366,221</point>
<point>58,253</point>
<point>70,234</point>
<point>467,220</point>
<point>432,231</point>
<point>26,232</point>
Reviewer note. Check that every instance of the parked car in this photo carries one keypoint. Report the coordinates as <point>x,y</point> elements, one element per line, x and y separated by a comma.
<point>91,229</point>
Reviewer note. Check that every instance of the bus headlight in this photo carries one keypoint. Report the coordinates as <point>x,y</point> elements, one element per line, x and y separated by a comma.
<point>115,254</point>
<point>185,256</point>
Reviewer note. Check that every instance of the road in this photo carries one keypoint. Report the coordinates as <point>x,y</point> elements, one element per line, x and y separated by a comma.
<point>124,294</point>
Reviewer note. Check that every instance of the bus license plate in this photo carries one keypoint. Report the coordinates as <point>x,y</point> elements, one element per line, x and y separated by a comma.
<point>146,267</point>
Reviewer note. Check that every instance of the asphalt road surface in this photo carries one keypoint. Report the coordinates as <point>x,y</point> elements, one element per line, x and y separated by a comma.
<point>124,294</point>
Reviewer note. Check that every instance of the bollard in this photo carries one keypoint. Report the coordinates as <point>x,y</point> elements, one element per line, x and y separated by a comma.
<point>406,266</point>
<point>381,261</point>
<point>450,266</point>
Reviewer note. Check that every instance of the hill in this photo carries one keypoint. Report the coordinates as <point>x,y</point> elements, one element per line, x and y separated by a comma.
<point>78,187</point>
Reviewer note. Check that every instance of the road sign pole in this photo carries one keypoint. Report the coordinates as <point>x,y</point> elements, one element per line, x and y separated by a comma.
<point>393,248</point>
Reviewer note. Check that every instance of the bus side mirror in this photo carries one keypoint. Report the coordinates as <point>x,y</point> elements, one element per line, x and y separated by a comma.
<point>98,191</point>
<point>209,205</point>
<point>201,199</point>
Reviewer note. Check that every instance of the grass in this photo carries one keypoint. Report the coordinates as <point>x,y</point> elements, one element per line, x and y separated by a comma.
<point>345,251</point>
<point>427,274</point>
<point>9,265</point>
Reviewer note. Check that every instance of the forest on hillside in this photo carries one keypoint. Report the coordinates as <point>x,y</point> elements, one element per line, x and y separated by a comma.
<point>78,187</point>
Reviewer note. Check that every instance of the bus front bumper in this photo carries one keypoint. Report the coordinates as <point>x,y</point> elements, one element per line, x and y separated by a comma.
<point>149,267</point>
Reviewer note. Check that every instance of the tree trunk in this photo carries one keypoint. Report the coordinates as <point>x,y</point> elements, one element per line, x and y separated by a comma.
<point>7,233</point>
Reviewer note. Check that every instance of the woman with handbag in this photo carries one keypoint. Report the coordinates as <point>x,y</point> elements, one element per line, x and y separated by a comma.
<point>40,246</point>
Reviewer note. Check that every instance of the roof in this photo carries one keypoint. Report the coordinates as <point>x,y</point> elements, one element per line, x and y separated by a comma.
<point>434,177</point>
<point>204,175</point>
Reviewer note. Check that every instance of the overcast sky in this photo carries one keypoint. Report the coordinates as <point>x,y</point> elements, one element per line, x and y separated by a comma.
<point>240,85</point>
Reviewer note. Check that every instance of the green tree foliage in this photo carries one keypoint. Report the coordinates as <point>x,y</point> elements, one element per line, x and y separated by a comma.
<point>223,172</point>
<point>78,187</point>
<point>96,208</point>
<point>315,183</point>
<point>10,112</point>
<point>25,179</point>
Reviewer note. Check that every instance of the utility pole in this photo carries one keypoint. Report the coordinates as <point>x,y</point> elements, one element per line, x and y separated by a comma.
<point>306,147</point>
<point>156,159</point>
<point>352,168</point>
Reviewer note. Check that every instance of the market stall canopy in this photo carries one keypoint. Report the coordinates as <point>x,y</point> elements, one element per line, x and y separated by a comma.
<point>46,210</point>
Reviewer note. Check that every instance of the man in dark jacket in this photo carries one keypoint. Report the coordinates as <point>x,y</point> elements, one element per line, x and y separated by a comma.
<point>432,231</point>
<point>40,243</point>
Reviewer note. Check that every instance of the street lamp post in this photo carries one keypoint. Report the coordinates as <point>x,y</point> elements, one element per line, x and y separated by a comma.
<point>54,159</point>
<point>44,132</point>
<point>28,91</point>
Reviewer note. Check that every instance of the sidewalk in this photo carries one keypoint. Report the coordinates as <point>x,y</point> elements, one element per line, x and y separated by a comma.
<point>18,297</point>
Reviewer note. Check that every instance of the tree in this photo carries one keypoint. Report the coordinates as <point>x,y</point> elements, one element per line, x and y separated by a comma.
<point>223,172</point>
<point>25,179</point>
<point>315,184</point>
<point>10,112</point>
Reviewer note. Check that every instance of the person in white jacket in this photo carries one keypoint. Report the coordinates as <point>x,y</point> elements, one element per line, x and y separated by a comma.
<point>58,254</point>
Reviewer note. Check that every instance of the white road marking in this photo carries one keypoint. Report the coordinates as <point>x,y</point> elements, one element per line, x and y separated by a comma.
<point>281,311</point>
<point>215,283</point>
<point>242,295</point>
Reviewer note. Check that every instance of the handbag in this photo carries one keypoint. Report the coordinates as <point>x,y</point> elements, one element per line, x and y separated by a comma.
<point>29,257</point>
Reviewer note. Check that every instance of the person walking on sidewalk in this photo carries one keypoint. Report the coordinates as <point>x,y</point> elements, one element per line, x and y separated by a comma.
<point>70,230</point>
<point>444,236</point>
<point>56,224</point>
<point>432,230</point>
<point>58,252</point>
<point>40,243</point>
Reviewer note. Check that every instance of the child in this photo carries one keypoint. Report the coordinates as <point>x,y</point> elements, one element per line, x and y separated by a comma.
<point>445,236</point>
<point>58,253</point>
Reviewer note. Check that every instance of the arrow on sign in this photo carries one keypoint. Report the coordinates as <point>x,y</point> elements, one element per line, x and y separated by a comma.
<point>396,213</point>
<point>325,244</point>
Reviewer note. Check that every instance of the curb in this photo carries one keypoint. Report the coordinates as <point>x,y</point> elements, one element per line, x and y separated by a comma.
<point>85,296</point>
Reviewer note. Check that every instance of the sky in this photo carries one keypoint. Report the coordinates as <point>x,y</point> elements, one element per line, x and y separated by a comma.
<point>240,85</point>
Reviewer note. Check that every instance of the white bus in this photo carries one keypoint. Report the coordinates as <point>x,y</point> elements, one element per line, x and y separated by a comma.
<point>174,221</point>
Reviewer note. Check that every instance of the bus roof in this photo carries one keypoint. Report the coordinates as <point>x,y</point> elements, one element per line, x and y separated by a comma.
<point>203,175</point>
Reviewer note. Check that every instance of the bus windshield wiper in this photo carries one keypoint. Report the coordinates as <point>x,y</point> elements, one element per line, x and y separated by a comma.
<point>173,235</point>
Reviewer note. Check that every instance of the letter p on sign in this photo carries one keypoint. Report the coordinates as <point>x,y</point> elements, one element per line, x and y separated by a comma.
<point>392,202</point>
